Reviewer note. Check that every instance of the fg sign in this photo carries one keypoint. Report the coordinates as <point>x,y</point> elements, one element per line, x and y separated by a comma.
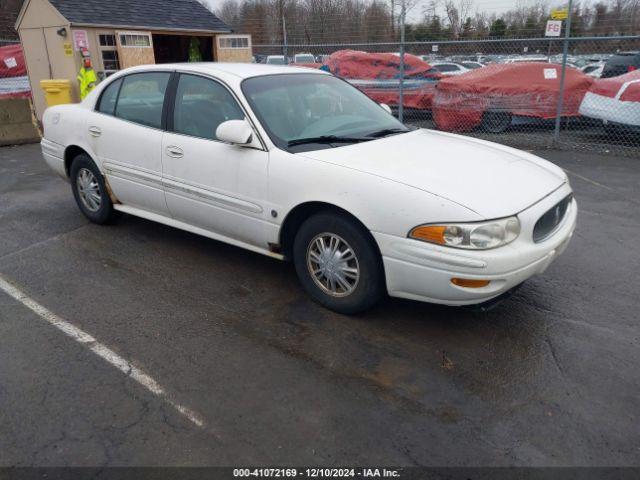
<point>554,27</point>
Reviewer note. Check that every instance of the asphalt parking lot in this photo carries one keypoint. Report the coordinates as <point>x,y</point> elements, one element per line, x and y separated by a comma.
<point>550,377</point>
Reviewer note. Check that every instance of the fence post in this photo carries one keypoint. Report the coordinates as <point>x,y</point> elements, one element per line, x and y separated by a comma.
<point>565,52</point>
<point>403,14</point>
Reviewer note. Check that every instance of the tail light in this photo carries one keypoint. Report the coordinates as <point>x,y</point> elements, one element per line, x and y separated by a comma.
<point>631,68</point>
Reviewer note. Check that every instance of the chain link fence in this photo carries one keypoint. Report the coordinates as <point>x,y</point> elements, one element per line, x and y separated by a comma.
<point>517,92</point>
<point>14,81</point>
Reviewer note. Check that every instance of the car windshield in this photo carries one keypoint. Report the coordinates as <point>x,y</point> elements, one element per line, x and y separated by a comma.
<point>304,112</point>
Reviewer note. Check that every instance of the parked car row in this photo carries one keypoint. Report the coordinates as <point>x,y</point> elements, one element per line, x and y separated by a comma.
<point>489,97</point>
<point>297,59</point>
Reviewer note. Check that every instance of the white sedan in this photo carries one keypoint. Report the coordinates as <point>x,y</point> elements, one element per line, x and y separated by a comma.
<point>299,165</point>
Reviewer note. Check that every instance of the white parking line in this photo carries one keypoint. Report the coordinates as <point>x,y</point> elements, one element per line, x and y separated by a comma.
<point>99,349</point>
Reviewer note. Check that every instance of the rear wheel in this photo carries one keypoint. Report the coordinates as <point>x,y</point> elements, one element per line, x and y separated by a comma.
<point>338,263</point>
<point>90,191</point>
<point>495,122</point>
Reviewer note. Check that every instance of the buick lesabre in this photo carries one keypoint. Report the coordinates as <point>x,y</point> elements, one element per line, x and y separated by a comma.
<point>299,165</point>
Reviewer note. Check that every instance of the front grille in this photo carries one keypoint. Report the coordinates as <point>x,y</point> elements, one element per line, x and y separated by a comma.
<point>548,222</point>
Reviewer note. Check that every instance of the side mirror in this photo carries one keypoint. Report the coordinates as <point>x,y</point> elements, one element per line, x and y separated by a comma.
<point>386,108</point>
<point>236,132</point>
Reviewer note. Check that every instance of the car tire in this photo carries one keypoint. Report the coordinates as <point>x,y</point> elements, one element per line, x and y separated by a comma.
<point>349,275</point>
<point>495,122</point>
<point>90,191</point>
<point>613,131</point>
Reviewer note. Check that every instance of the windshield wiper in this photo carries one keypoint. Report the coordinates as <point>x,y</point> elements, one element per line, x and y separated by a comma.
<point>387,131</point>
<point>326,139</point>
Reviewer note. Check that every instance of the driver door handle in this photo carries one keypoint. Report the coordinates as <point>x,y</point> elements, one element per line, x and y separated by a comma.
<point>174,152</point>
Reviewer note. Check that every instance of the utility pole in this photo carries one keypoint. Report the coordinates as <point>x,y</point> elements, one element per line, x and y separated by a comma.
<point>565,53</point>
<point>284,39</point>
<point>393,18</point>
<point>403,14</point>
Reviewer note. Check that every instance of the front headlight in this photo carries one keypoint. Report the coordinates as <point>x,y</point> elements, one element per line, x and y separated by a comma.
<point>472,236</point>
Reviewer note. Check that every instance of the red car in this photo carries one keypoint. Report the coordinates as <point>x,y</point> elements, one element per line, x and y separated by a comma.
<point>615,101</point>
<point>378,74</point>
<point>491,97</point>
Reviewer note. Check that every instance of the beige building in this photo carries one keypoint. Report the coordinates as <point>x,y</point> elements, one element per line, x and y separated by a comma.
<point>119,34</point>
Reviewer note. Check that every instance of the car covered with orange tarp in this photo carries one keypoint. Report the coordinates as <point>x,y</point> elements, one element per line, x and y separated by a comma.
<point>14,82</point>
<point>491,96</point>
<point>378,75</point>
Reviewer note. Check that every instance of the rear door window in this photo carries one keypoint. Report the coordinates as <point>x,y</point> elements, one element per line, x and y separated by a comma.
<point>142,97</point>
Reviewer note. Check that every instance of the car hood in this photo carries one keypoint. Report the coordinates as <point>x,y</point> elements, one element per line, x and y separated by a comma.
<point>490,179</point>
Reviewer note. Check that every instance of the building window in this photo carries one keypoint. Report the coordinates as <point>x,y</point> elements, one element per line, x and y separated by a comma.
<point>135,40</point>
<point>233,42</point>
<point>107,40</point>
<point>108,54</point>
<point>110,61</point>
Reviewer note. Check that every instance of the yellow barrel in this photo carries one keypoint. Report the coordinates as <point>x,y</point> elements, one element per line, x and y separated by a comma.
<point>56,92</point>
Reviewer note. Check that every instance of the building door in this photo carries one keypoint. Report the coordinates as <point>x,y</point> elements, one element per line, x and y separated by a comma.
<point>135,48</point>
<point>38,65</point>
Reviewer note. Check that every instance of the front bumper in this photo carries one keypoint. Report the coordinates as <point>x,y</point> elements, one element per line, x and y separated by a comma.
<point>421,271</point>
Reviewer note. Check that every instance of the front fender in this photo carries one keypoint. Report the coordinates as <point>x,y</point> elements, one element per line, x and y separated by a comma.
<point>382,205</point>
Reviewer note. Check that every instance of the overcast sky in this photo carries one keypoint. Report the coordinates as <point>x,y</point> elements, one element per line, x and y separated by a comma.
<point>488,6</point>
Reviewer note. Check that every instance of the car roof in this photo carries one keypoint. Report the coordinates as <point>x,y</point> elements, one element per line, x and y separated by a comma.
<point>239,70</point>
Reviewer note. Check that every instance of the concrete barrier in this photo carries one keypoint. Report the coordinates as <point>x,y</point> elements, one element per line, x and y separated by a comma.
<point>17,124</point>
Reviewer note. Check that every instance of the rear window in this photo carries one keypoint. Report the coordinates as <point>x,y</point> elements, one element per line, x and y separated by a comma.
<point>624,59</point>
<point>446,68</point>
<point>304,59</point>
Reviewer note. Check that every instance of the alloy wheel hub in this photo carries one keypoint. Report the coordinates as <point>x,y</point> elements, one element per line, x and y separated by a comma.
<point>89,190</point>
<point>333,264</point>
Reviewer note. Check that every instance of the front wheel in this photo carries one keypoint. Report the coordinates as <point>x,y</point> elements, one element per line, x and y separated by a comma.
<point>338,264</point>
<point>495,122</point>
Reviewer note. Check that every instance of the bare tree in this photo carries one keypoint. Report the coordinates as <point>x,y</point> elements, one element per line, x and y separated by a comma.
<point>457,12</point>
<point>229,13</point>
<point>408,6</point>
